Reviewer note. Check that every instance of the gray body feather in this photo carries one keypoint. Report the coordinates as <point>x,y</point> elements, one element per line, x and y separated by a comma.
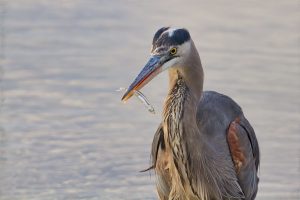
<point>209,165</point>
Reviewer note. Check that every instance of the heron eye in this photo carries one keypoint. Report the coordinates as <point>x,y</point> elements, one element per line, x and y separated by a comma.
<point>173,51</point>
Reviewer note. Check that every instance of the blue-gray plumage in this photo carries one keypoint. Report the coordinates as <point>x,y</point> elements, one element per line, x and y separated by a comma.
<point>204,147</point>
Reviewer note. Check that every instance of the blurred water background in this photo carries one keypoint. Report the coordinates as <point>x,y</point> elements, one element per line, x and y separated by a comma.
<point>64,134</point>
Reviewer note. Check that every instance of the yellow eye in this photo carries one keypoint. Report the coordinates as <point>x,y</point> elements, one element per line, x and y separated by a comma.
<point>173,51</point>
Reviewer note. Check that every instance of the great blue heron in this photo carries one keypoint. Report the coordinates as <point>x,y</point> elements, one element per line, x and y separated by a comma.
<point>204,147</point>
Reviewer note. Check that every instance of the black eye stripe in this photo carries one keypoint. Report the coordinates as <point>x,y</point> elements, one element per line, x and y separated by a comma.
<point>178,37</point>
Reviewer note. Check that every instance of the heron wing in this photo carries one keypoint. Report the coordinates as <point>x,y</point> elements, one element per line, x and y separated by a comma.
<point>157,143</point>
<point>245,155</point>
<point>159,157</point>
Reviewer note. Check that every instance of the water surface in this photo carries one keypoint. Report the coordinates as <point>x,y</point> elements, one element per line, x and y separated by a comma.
<point>66,135</point>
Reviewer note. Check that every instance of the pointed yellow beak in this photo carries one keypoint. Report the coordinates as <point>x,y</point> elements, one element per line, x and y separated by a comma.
<point>150,70</point>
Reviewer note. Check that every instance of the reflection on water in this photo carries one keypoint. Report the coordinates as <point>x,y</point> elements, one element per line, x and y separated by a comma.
<point>66,135</point>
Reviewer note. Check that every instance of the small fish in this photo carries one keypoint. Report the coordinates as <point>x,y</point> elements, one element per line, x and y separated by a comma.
<point>141,97</point>
<point>144,100</point>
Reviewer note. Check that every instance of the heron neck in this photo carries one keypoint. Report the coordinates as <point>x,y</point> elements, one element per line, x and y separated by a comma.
<point>185,91</point>
<point>181,99</point>
<point>191,72</point>
<point>190,76</point>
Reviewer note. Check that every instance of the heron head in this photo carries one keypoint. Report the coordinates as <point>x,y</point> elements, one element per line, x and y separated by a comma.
<point>170,49</point>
